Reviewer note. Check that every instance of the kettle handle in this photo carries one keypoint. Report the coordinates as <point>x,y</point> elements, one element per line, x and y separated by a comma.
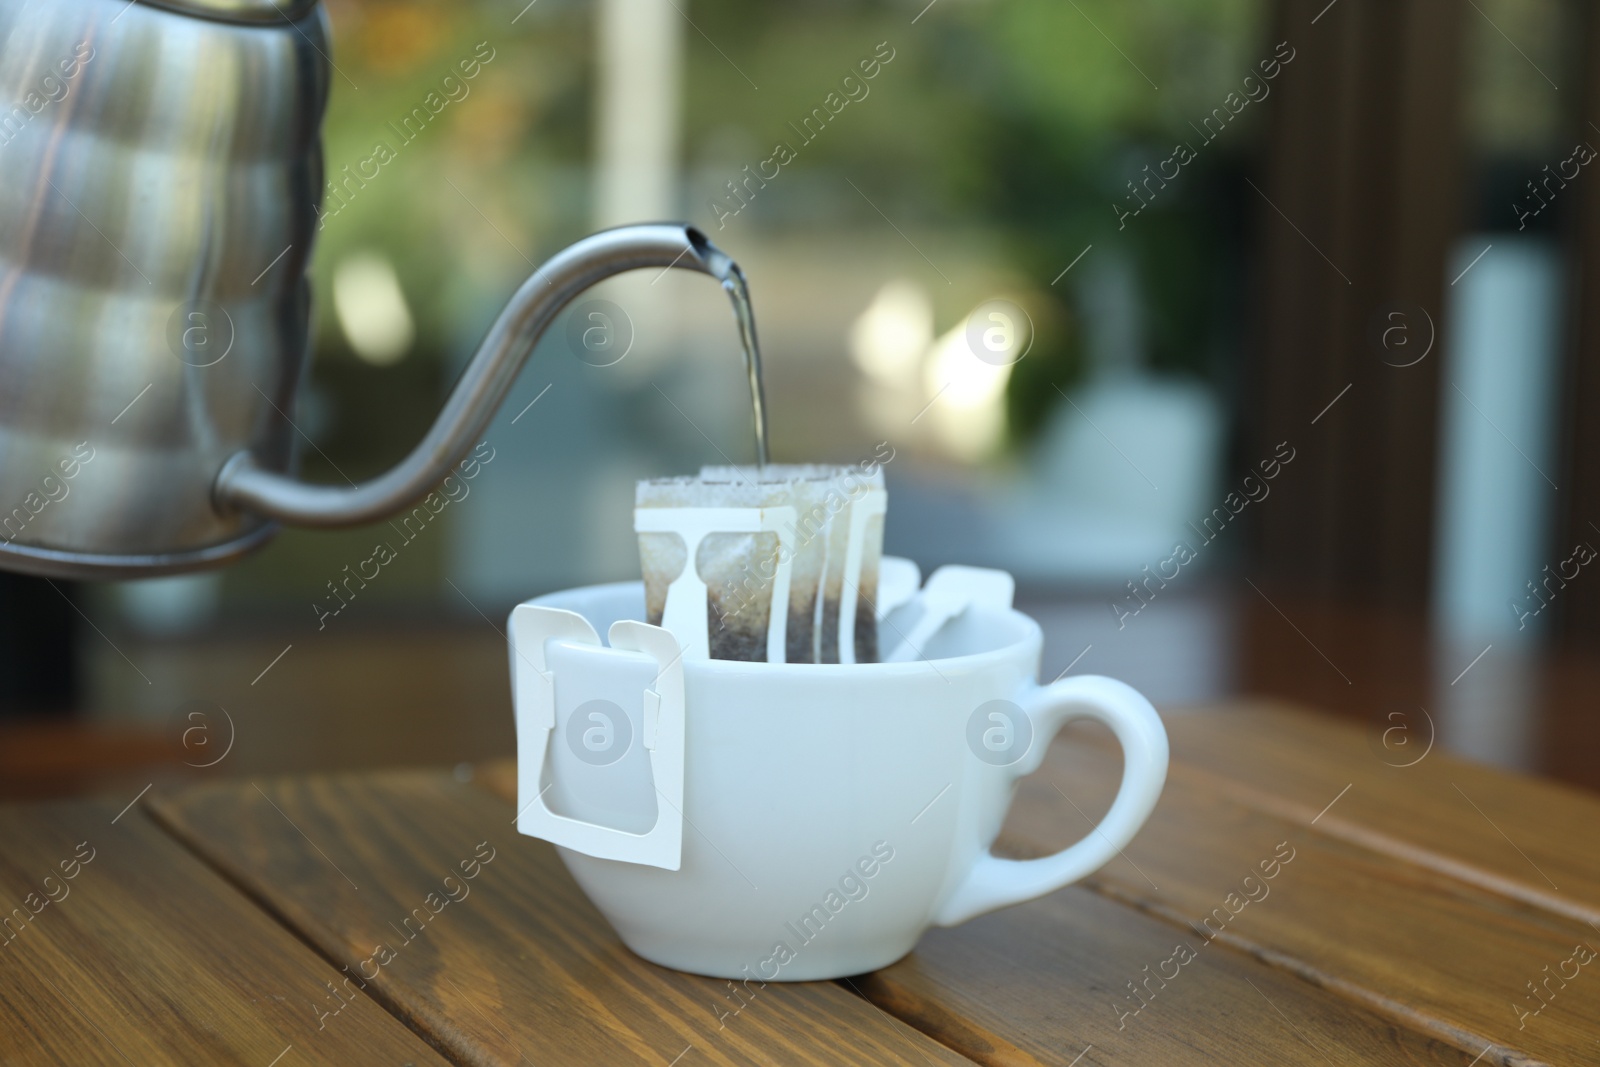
<point>243,484</point>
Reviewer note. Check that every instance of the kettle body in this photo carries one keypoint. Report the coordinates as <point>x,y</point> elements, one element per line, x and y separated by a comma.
<point>163,172</point>
<point>162,168</point>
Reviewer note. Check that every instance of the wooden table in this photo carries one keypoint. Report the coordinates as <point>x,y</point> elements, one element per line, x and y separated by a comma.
<point>1434,913</point>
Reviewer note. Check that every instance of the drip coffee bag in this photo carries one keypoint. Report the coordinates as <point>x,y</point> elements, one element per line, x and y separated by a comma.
<point>776,564</point>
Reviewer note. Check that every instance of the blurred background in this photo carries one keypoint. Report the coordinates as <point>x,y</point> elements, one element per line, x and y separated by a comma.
<point>1303,288</point>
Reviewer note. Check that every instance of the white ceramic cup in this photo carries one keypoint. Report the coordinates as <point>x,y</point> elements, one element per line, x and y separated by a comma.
<point>833,813</point>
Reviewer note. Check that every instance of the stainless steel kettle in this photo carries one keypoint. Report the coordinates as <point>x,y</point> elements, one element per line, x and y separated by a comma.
<point>160,174</point>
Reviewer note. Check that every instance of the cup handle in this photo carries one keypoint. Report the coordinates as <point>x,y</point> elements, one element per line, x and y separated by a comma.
<point>997,883</point>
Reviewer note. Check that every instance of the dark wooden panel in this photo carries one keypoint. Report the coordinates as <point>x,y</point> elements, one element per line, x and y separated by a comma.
<point>42,759</point>
<point>1392,665</point>
<point>1410,942</point>
<point>1578,611</point>
<point>147,956</point>
<point>520,966</point>
<point>1356,215</point>
<point>39,661</point>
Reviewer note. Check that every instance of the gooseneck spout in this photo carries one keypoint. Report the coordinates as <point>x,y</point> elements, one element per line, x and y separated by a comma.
<point>242,484</point>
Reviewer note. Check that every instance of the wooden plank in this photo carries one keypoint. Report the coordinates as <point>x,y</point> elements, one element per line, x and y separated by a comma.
<point>522,965</point>
<point>1040,983</point>
<point>146,956</point>
<point>1521,837</point>
<point>1047,983</point>
<point>1410,942</point>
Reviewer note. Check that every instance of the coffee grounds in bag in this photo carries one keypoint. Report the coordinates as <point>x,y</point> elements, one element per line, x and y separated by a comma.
<point>739,568</point>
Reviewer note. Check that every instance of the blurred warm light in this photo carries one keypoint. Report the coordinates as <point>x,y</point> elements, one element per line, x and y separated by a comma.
<point>968,382</point>
<point>914,378</point>
<point>372,309</point>
<point>493,121</point>
<point>968,415</point>
<point>890,337</point>
<point>398,37</point>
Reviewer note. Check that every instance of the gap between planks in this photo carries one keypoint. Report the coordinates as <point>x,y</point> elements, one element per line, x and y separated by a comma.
<point>931,1020</point>
<point>171,826</point>
<point>1463,1040</point>
<point>1334,826</point>
<point>1387,845</point>
<point>499,779</point>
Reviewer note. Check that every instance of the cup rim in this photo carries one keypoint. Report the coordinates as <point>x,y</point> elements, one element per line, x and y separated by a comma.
<point>1032,635</point>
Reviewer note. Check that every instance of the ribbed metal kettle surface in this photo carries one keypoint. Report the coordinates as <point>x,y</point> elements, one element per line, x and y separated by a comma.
<point>161,173</point>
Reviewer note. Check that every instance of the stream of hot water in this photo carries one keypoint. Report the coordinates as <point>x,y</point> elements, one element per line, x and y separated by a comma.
<point>733,281</point>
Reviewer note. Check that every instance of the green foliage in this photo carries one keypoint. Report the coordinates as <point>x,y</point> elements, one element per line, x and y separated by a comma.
<point>522,120</point>
<point>1024,116</point>
<point>1029,116</point>
<point>1071,111</point>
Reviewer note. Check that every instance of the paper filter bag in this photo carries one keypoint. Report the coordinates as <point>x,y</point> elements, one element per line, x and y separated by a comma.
<point>786,559</point>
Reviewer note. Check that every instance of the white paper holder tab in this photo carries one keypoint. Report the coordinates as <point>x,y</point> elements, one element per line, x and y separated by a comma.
<point>534,692</point>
